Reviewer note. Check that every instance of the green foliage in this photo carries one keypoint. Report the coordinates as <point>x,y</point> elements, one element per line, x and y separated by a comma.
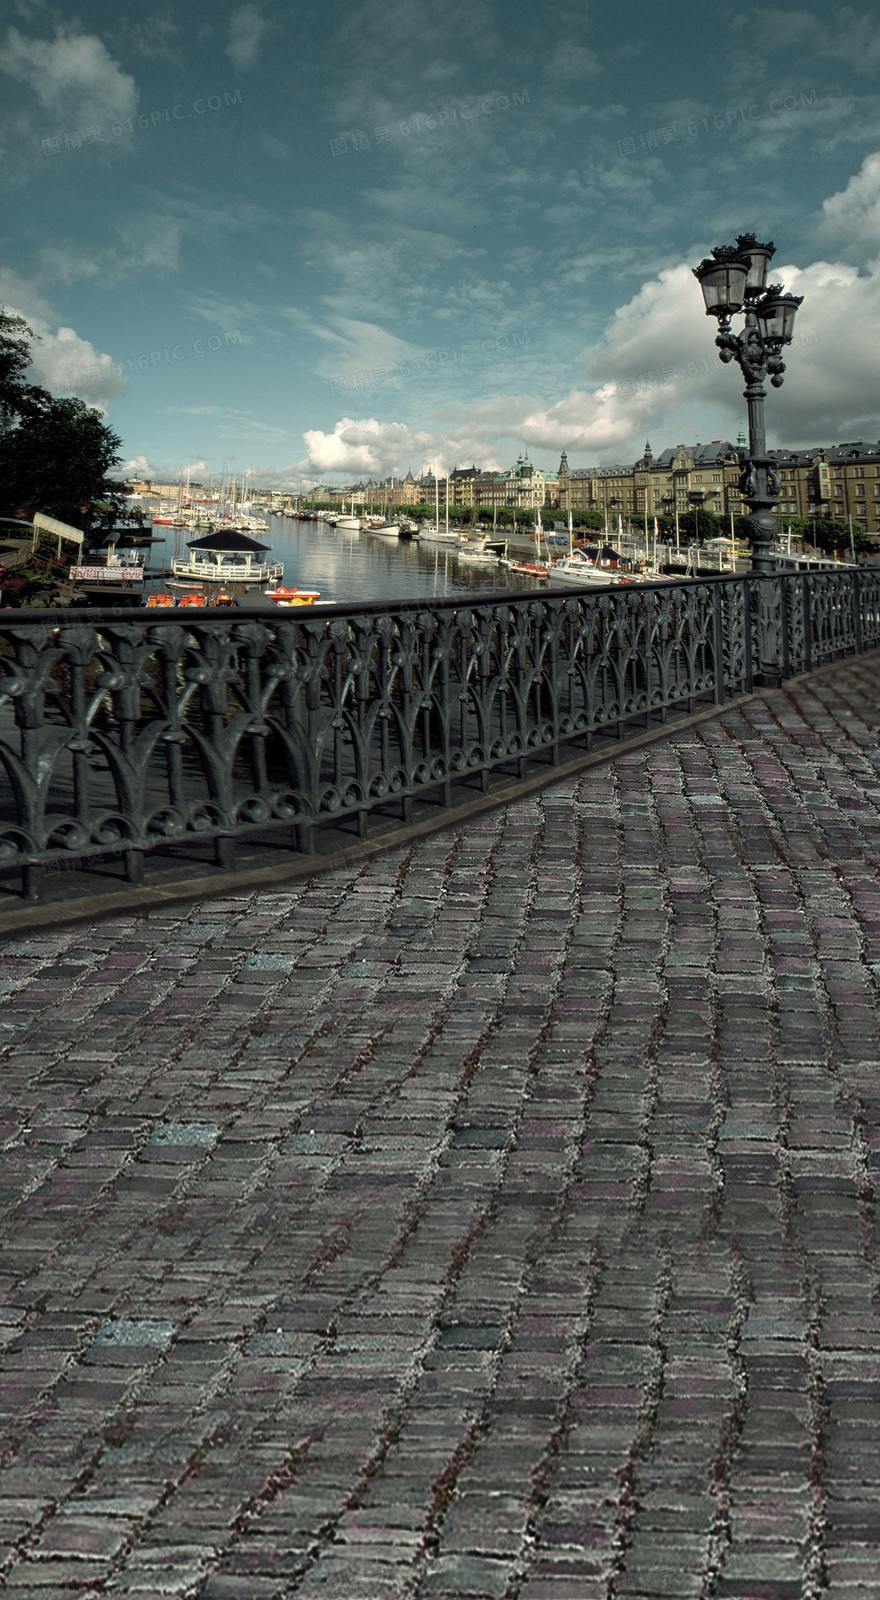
<point>590,519</point>
<point>694,527</point>
<point>54,454</point>
<point>17,398</point>
<point>828,536</point>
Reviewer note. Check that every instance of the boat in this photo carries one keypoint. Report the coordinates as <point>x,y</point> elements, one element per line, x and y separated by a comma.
<point>486,552</point>
<point>352,523</point>
<point>292,597</point>
<point>159,601</point>
<point>529,569</point>
<point>386,530</point>
<point>534,567</point>
<point>250,524</point>
<point>430,534</point>
<point>577,568</point>
<point>192,599</point>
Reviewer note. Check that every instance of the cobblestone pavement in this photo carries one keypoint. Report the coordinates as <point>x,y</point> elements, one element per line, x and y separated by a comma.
<point>496,1219</point>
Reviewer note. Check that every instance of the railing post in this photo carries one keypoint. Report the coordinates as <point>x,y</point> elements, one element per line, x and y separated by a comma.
<point>31,881</point>
<point>133,864</point>
<point>748,654</point>
<point>784,627</point>
<point>223,851</point>
<point>808,622</point>
<point>857,610</point>
<point>718,642</point>
<point>768,674</point>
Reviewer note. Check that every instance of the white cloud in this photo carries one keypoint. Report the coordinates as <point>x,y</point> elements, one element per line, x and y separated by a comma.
<point>844,35</point>
<point>656,370</point>
<point>351,345</point>
<point>76,81</point>
<point>656,374</point>
<point>246,29</point>
<point>140,467</point>
<point>156,251</point>
<point>67,365</point>
<point>364,448</point>
<point>853,215</point>
<point>570,61</point>
<point>19,291</point>
<point>156,36</point>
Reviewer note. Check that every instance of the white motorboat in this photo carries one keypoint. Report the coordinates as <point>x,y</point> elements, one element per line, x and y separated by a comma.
<point>429,534</point>
<point>486,552</point>
<point>577,568</point>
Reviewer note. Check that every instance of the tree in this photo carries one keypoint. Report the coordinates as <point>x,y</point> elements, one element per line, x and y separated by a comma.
<point>58,460</point>
<point>828,536</point>
<point>17,398</point>
<point>694,527</point>
<point>55,455</point>
<point>589,519</point>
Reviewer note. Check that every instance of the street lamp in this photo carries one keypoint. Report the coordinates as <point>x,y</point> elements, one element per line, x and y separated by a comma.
<point>735,280</point>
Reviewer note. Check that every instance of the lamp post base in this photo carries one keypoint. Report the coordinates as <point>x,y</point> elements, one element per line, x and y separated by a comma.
<point>761,529</point>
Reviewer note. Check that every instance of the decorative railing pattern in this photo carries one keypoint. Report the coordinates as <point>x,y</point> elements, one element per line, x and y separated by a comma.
<point>827,615</point>
<point>121,733</point>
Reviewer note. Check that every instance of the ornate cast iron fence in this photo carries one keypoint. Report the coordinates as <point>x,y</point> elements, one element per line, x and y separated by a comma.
<point>121,734</point>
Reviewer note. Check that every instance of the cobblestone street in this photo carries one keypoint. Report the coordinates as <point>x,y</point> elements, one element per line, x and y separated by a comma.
<point>495,1219</point>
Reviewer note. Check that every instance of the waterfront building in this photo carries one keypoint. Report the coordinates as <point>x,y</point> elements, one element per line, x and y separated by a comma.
<point>836,482</point>
<point>839,482</point>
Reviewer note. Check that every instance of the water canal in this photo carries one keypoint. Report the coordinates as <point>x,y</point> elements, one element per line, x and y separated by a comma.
<point>350,567</point>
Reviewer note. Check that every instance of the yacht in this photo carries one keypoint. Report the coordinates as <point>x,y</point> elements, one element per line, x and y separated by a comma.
<point>577,568</point>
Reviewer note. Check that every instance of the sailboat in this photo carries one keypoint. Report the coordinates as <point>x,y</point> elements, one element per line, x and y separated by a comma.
<point>536,568</point>
<point>349,523</point>
<point>429,534</point>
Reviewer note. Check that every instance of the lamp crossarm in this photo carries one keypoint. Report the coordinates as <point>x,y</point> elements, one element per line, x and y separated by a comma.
<point>748,350</point>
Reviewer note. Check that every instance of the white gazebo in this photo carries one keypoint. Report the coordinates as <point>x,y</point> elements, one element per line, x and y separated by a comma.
<point>227,557</point>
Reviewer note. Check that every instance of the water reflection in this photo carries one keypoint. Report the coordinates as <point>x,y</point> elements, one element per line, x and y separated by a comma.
<point>350,567</point>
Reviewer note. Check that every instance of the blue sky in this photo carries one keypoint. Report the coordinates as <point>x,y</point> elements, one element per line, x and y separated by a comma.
<point>346,239</point>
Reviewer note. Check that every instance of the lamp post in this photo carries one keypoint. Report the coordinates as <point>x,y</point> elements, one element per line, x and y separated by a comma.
<point>733,281</point>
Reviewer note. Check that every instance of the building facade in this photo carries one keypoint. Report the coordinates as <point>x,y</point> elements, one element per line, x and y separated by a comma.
<point>840,482</point>
<point>837,482</point>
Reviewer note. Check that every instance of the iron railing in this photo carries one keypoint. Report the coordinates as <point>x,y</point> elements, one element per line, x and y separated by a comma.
<point>125,733</point>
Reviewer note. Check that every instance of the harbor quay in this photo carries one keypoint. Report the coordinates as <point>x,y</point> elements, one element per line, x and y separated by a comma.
<point>495,1217</point>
